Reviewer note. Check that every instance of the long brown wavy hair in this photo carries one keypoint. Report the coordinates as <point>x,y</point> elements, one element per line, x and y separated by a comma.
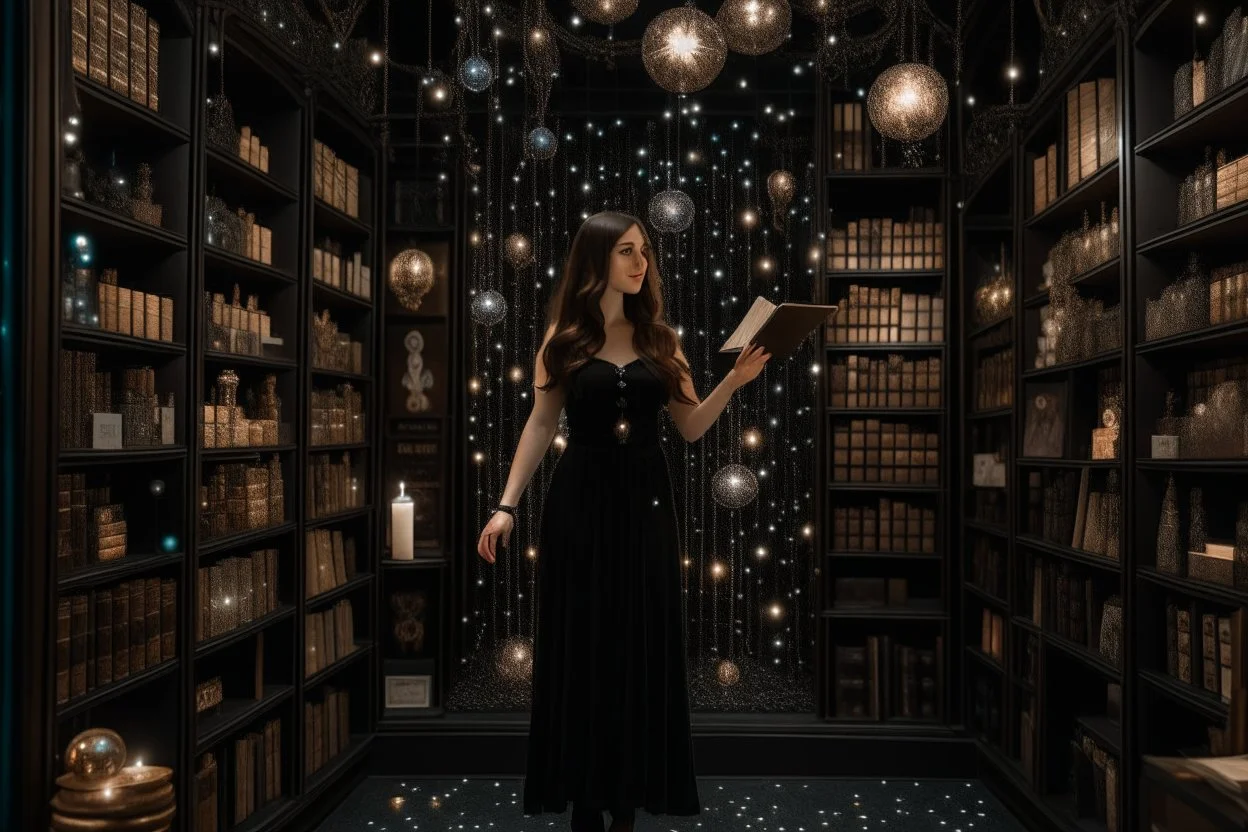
<point>575,311</point>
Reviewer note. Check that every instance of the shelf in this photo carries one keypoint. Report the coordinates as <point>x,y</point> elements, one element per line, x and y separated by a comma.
<point>232,454</point>
<point>256,182</point>
<point>987,528</point>
<point>250,360</point>
<point>271,816</point>
<point>126,456</point>
<point>1098,278</point>
<point>339,446</point>
<point>1228,227</point>
<point>1070,553</point>
<point>1211,122</point>
<point>1201,466</point>
<point>1216,593</point>
<point>1084,655</point>
<point>995,413</point>
<point>929,346</point>
<point>122,113</point>
<point>983,329</point>
<point>246,631</point>
<point>234,714</point>
<point>884,486</point>
<point>1105,730</point>
<point>328,218</point>
<point>116,570</point>
<point>1208,339</point>
<point>80,216</point>
<point>363,579</point>
<point>337,517</point>
<point>1028,625</point>
<point>332,296</point>
<point>328,772</point>
<point>1197,699</point>
<point>341,374</point>
<point>915,612</point>
<point>1041,462</point>
<point>103,339</point>
<point>884,411</point>
<point>400,228</point>
<point>399,719</point>
<point>234,266</point>
<point>1058,369</point>
<point>903,174</point>
<point>986,597</point>
<point>984,658</point>
<point>849,554</point>
<point>1065,807</point>
<point>416,563</point>
<point>362,649</point>
<point>231,541</point>
<point>100,695</point>
<point>884,274</point>
<point>1087,195</point>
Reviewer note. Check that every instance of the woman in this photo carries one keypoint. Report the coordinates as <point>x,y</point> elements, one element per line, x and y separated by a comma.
<point>609,727</point>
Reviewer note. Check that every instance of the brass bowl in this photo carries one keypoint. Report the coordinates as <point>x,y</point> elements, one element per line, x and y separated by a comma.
<point>130,777</point>
<point>119,804</point>
<point>145,823</point>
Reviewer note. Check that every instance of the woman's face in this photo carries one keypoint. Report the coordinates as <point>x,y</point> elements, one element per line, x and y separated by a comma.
<point>629,262</point>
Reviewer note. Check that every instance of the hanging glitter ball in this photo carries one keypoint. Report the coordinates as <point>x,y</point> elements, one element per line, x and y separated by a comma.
<point>411,277</point>
<point>754,27</point>
<point>728,673</point>
<point>219,127</point>
<point>734,486</point>
<point>780,188</point>
<point>476,74</point>
<point>489,308</point>
<point>514,659</point>
<point>542,143</point>
<point>518,250</point>
<point>606,12</point>
<point>683,49</point>
<point>908,102</point>
<point>671,212</point>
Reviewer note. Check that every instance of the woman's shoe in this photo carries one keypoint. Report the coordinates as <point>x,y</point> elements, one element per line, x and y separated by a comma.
<point>586,820</point>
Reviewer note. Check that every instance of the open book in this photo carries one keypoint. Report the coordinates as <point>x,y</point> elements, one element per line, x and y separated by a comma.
<point>778,329</point>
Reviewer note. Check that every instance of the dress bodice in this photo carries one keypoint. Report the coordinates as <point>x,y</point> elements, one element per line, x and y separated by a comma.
<point>607,402</point>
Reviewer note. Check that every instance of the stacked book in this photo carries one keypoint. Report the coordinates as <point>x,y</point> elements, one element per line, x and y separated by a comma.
<point>237,328</point>
<point>346,273</point>
<point>131,312</point>
<point>892,382</point>
<point>90,527</point>
<point>330,636</point>
<point>333,487</point>
<point>106,635</point>
<point>888,245</point>
<point>116,43</point>
<point>1065,602</point>
<point>337,416</point>
<point>1044,180</point>
<point>235,591</point>
<point>1203,657</point>
<point>868,450</point>
<point>849,147</point>
<point>93,416</point>
<point>883,315</point>
<point>326,729</point>
<point>884,679</point>
<point>330,560</point>
<point>257,769</point>
<point>334,181</point>
<point>1091,129</point>
<point>891,526</point>
<point>240,498</point>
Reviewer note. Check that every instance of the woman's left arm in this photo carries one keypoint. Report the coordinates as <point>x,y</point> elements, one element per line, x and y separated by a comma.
<point>693,420</point>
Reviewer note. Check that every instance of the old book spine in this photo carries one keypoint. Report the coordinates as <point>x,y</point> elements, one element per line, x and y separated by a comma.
<point>103,636</point>
<point>1087,129</point>
<point>138,625</point>
<point>138,54</point>
<point>64,635</point>
<point>98,38</point>
<point>119,46</point>
<point>121,631</point>
<point>168,619</point>
<point>80,26</point>
<point>153,64</point>
<point>1107,121</point>
<point>79,646</point>
<point>151,609</point>
<point>1072,138</point>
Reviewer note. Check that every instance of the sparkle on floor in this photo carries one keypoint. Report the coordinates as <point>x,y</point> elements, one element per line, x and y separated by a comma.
<point>387,804</point>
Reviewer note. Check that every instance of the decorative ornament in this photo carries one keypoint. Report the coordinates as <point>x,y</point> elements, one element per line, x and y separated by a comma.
<point>734,486</point>
<point>476,74</point>
<point>397,802</point>
<point>542,143</point>
<point>417,379</point>
<point>908,102</point>
<point>606,12</point>
<point>754,27</point>
<point>141,206</point>
<point>97,793</point>
<point>671,211</point>
<point>489,308</point>
<point>95,754</point>
<point>518,250</point>
<point>219,127</point>
<point>683,50</point>
<point>411,277</point>
<point>780,187</point>
<point>752,438</point>
<point>514,659</point>
<point>727,673</point>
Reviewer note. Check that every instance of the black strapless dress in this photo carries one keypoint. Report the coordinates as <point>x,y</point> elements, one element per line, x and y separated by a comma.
<point>609,726</point>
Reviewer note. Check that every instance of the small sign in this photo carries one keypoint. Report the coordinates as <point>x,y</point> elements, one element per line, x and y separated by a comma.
<point>1165,447</point>
<point>106,431</point>
<point>408,691</point>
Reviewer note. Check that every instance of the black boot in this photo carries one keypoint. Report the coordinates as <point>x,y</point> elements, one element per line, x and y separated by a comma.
<point>622,820</point>
<point>586,820</point>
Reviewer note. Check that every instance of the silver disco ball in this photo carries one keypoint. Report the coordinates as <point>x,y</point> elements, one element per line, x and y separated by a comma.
<point>734,486</point>
<point>489,308</point>
<point>542,143</point>
<point>671,212</point>
<point>476,73</point>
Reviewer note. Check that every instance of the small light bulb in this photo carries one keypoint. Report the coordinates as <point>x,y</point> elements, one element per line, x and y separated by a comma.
<point>376,57</point>
<point>1201,19</point>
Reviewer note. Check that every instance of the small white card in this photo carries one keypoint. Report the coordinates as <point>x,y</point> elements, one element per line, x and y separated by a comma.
<point>1165,447</point>
<point>408,691</point>
<point>106,431</point>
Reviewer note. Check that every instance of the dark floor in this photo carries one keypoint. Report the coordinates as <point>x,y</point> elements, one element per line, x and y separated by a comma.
<point>387,804</point>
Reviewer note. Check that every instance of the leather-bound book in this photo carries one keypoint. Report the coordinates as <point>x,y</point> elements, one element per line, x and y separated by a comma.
<point>153,63</point>
<point>80,645</point>
<point>1106,121</point>
<point>138,625</point>
<point>1072,138</point>
<point>64,630</point>
<point>97,40</point>
<point>138,54</point>
<point>79,27</point>
<point>121,631</point>
<point>168,619</point>
<point>151,614</point>
<point>103,602</point>
<point>119,46</point>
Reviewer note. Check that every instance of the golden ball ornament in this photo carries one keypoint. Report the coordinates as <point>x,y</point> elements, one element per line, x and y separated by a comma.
<point>766,265</point>
<point>514,659</point>
<point>516,374</point>
<point>96,753</point>
<point>411,277</point>
<point>754,27</point>
<point>908,102</point>
<point>518,250</point>
<point>561,443</point>
<point>728,673</point>
<point>683,49</point>
<point>752,438</point>
<point>734,486</point>
<point>749,219</point>
<point>606,12</point>
<point>781,188</point>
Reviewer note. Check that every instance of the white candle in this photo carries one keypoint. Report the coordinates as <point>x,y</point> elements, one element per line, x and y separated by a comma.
<point>402,526</point>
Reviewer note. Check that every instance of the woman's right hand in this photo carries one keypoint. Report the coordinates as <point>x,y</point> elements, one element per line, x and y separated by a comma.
<point>750,362</point>
<point>498,528</point>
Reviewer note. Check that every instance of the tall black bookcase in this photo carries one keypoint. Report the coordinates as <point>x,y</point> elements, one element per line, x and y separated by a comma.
<point>894,631</point>
<point>263,656</point>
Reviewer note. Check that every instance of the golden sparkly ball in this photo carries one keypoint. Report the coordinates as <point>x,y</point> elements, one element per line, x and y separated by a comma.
<point>766,265</point>
<point>561,442</point>
<point>749,219</point>
<point>683,49</point>
<point>752,438</point>
<point>514,659</point>
<point>531,552</point>
<point>754,27</point>
<point>808,530</point>
<point>516,374</point>
<point>688,561</point>
<point>411,277</point>
<point>728,673</point>
<point>606,12</point>
<point>518,250</point>
<point>435,802</point>
<point>474,385</point>
<point>622,430</point>
<point>541,52</point>
<point>397,802</point>
<point>95,754</point>
<point>908,102</point>
<point>777,611</point>
<point>717,569</point>
<point>475,238</point>
<point>781,188</point>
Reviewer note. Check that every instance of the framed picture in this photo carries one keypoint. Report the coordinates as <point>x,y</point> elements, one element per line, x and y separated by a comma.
<point>409,691</point>
<point>436,301</point>
<point>417,368</point>
<point>1044,430</point>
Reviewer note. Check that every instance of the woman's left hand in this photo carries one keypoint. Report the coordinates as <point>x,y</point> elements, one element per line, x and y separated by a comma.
<point>749,364</point>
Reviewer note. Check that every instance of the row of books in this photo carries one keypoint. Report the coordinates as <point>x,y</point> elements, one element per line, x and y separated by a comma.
<point>131,312</point>
<point>885,679</point>
<point>987,565</point>
<point>885,244</point>
<point>889,526</point>
<point>105,635</point>
<point>330,559</point>
<point>1203,657</point>
<point>337,416</point>
<point>1044,179</point>
<point>1091,128</point>
<point>117,43</point>
<point>329,636</point>
<point>994,381</point>
<point>849,145</point>
<point>1072,605</point>
<point>1069,509</point>
<point>349,274</point>
<point>242,497</point>
<point>874,315</point>
<point>992,634</point>
<point>333,487</point>
<point>235,591</point>
<point>334,350</point>
<point>326,729</point>
<point>93,414</point>
<point>257,769</point>
<point>892,382</point>
<point>869,450</point>
<point>90,525</point>
<point>1095,781</point>
<point>251,150</point>
<point>334,181</point>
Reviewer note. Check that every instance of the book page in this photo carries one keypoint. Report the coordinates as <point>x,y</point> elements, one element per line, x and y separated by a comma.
<point>750,324</point>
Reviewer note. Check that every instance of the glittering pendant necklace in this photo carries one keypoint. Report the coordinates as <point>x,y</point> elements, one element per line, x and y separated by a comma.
<point>622,427</point>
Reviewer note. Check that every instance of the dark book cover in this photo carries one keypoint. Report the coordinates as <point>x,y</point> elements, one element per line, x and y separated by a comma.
<point>64,629</point>
<point>151,610</point>
<point>168,619</point>
<point>79,646</point>
<point>138,625</point>
<point>103,636</point>
<point>121,631</point>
